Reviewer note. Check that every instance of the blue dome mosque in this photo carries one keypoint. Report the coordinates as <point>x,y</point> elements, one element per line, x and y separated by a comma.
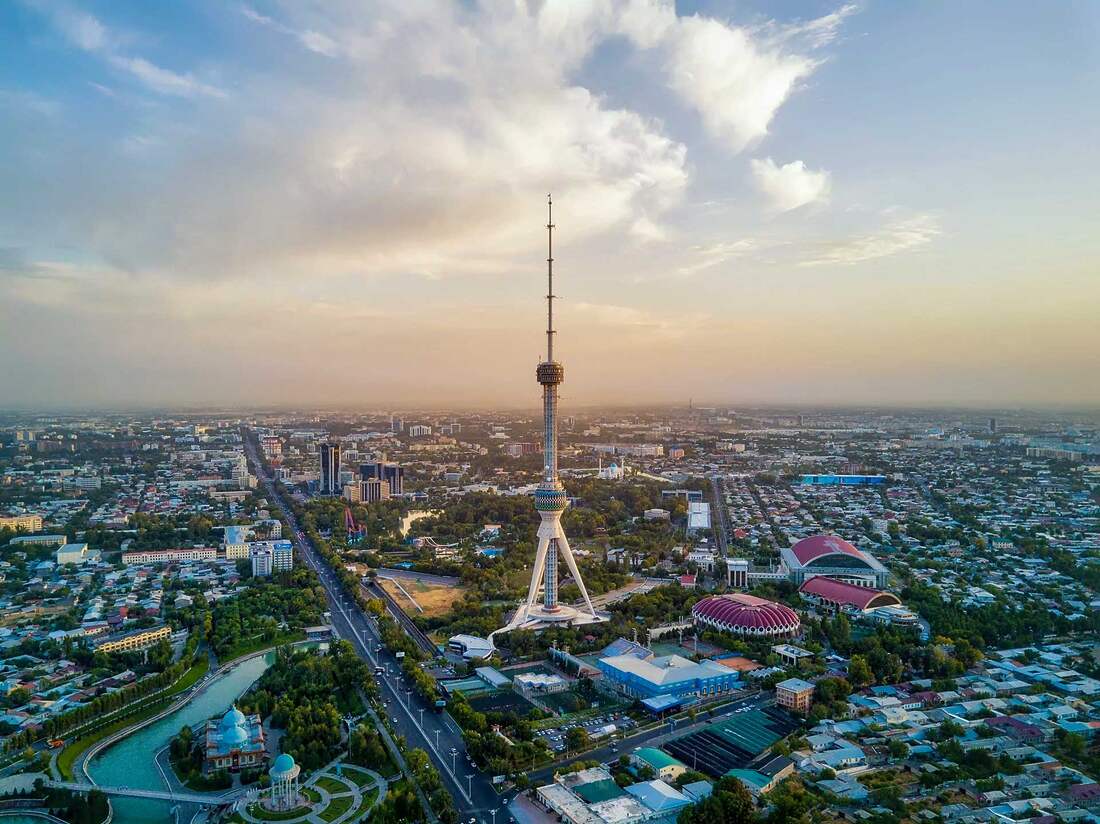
<point>234,741</point>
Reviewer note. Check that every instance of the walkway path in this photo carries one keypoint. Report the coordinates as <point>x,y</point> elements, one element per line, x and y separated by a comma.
<point>334,784</point>
<point>134,792</point>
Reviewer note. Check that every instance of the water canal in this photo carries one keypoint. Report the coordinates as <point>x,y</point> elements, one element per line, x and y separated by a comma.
<point>130,762</point>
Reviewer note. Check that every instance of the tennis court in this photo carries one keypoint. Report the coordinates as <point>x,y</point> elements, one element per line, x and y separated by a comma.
<point>467,686</point>
<point>502,701</point>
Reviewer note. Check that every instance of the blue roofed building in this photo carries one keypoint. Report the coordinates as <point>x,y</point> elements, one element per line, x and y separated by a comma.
<point>659,796</point>
<point>624,646</point>
<point>234,741</point>
<point>668,675</point>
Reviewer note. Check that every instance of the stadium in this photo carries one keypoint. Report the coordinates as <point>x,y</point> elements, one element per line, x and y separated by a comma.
<point>747,615</point>
<point>834,558</point>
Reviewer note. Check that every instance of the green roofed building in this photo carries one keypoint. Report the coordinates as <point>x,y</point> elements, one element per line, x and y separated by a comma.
<point>756,782</point>
<point>664,765</point>
<point>596,791</point>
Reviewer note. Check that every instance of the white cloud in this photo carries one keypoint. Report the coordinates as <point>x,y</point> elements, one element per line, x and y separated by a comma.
<point>899,235</point>
<point>163,80</point>
<point>735,83</point>
<point>705,256</point>
<point>791,185</point>
<point>315,41</point>
<point>632,321</point>
<point>815,33</point>
<point>89,34</point>
<point>416,147</point>
<point>735,77</point>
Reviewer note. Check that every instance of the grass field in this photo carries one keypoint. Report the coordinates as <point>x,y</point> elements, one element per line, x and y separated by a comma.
<point>358,776</point>
<point>277,815</point>
<point>368,799</point>
<point>336,808</point>
<point>433,599</point>
<point>331,785</point>
<point>257,644</point>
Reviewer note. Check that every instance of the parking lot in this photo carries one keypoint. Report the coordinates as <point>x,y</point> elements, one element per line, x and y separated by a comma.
<point>600,727</point>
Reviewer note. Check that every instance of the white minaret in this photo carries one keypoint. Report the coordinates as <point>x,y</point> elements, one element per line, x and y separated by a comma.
<point>550,498</point>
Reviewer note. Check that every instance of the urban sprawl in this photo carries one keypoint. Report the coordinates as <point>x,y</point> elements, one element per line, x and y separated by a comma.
<point>758,615</point>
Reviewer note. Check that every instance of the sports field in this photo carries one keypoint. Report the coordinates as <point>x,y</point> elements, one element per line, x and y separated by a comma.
<point>433,599</point>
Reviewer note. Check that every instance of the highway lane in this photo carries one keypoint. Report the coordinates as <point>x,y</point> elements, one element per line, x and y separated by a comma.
<point>721,516</point>
<point>410,716</point>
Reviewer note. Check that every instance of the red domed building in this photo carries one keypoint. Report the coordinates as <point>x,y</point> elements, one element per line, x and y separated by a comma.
<point>835,558</point>
<point>746,615</point>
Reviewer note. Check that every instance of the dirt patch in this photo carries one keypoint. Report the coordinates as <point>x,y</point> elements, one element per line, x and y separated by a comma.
<point>433,599</point>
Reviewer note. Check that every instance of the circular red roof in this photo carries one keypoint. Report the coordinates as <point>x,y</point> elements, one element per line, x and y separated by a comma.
<point>746,614</point>
<point>810,549</point>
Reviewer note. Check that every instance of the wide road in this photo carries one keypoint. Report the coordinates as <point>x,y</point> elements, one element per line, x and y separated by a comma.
<point>721,517</point>
<point>414,718</point>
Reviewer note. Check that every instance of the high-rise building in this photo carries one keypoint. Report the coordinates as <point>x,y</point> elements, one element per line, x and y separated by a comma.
<point>392,474</point>
<point>374,489</point>
<point>269,557</point>
<point>550,497</point>
<point>330,469</point>
<point>992,426</point>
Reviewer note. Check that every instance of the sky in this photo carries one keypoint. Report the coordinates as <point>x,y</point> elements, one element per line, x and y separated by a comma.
<point>343,202</point>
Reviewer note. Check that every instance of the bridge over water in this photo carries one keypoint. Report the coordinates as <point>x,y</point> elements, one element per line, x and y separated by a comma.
<point>162,795</point>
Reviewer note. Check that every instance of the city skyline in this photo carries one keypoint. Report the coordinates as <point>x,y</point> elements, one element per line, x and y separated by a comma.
<point>812,204</point>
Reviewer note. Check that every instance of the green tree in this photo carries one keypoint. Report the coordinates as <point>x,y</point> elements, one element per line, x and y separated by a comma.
<point>859,671</point>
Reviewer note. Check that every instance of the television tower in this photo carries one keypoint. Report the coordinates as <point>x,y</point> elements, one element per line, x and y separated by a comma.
<point>550,497</point>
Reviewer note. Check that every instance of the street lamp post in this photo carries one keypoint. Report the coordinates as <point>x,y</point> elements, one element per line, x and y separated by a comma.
<point>437,740</point>
<point>470,784</point>
<point>493,813</point>
<point>407,694</point>
<point>454,761</point>
<point>421,717</point>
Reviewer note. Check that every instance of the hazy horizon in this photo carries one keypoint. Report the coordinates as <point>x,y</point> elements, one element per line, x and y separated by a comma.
<point>322,204</point>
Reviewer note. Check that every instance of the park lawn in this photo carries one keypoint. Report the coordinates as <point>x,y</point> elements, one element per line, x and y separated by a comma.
<point>358,776</point>
<point>368,799</point>
<point>277,815</point>
<point>336,808</point>
<point>311,794</point>
<point>257,644</point>
<point>331,785</point>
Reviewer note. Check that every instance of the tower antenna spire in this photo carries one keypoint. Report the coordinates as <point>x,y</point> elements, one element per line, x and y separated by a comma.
<point>549,278</point>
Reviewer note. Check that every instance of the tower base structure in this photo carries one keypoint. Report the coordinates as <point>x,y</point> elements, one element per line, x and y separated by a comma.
<point>535,614</point>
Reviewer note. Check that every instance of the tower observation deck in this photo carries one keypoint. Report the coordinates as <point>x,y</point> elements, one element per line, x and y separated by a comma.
<point>550,497</point>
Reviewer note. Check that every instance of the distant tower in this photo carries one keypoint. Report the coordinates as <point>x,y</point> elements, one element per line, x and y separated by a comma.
<point>550,498</point>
